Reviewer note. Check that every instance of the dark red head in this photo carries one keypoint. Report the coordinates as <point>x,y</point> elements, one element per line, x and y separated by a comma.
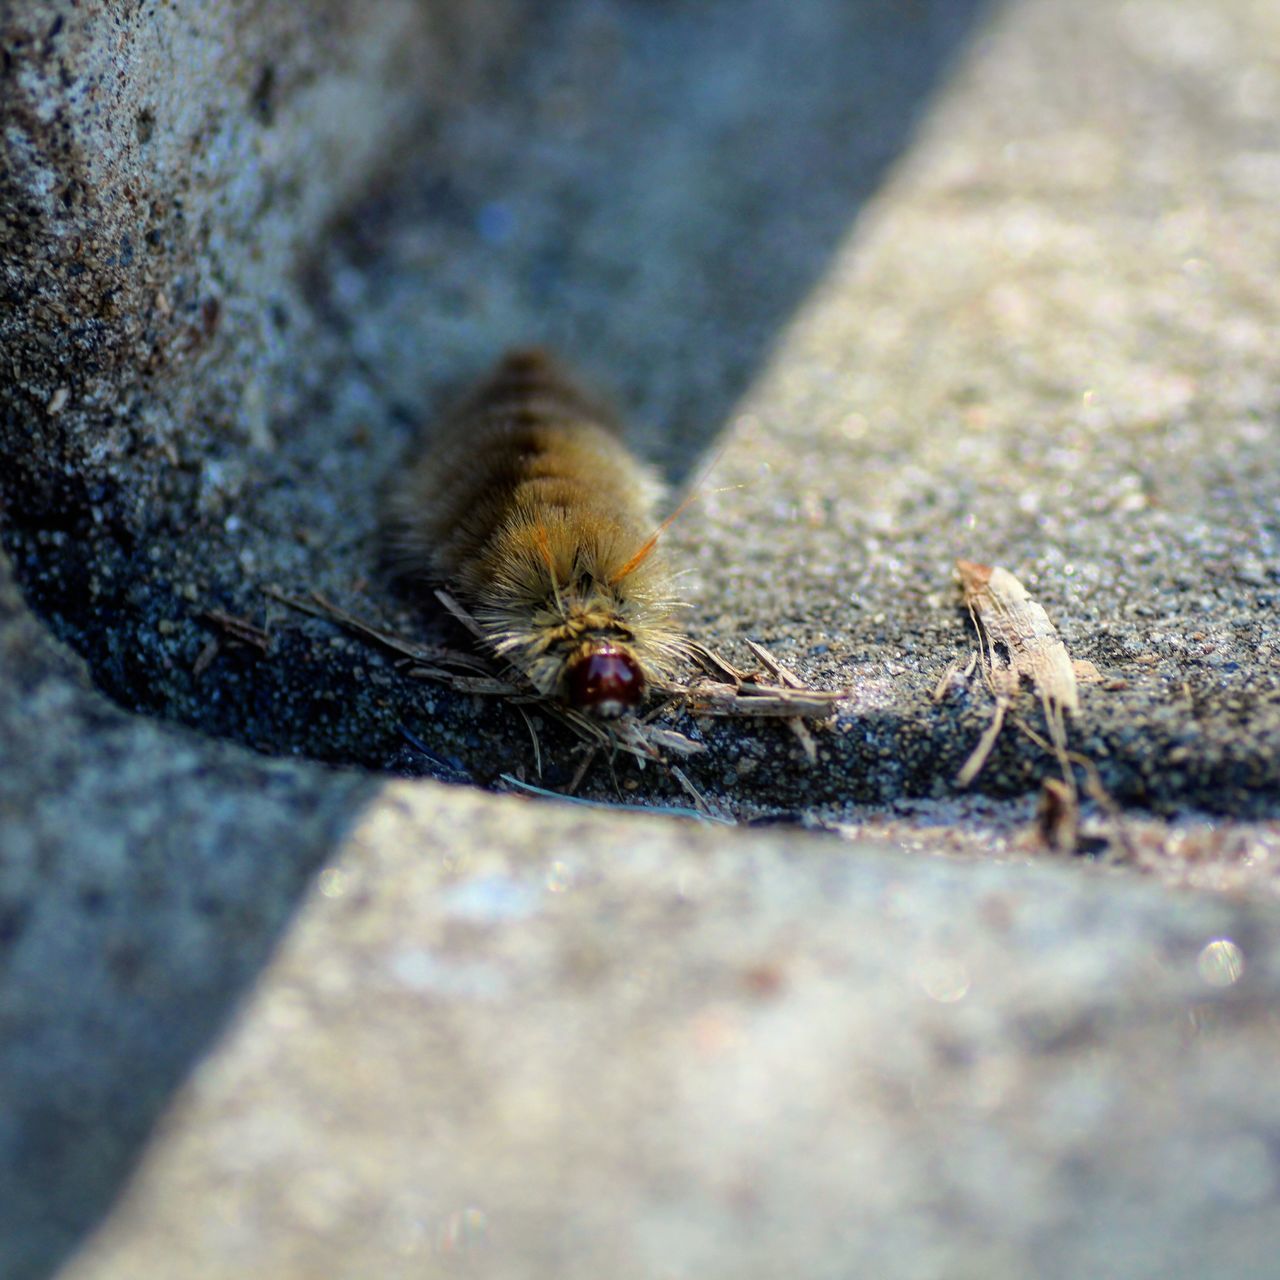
<point>605,682</point>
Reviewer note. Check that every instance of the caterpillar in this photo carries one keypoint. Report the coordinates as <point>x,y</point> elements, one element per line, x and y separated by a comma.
<point>527,505</point>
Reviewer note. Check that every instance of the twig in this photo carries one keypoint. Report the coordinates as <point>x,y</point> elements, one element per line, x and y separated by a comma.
<point>714,664</point>
<point>978,757</point>
<point>533,737</point>
<point>320,607</point>
<point>460,614</point>
<point>1093,785</point>
<point>670,811</point>
<point>240,630</point>
<point>795,723</point>
<point>729,693</point>
<point>753,700</point>
<point>588,756</point>
<point>698,798</point>
<point>954,668</point>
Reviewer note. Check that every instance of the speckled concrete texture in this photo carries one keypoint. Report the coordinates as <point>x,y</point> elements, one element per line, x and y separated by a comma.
<point>507,1040</point>
<point>148,203</point>
<point>653,192</point>
<point>1046,345</point>
<point>926,281</point>
<point>145,874</point>
<point>1031,334</point>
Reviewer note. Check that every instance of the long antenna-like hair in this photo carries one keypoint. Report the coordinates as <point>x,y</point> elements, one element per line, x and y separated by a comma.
<point>696,492</point>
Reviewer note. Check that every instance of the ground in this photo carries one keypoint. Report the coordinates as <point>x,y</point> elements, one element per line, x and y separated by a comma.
<point>893,286</point>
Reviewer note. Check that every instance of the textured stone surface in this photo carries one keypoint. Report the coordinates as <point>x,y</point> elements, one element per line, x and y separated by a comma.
<point>168,171</point>
<point>1040,343</point>
<point>509,1040</point>
<point>641,193</point>
<point>363,1028</point>
<point>145,178</point>
<point>1043,346</point>
<point>145,874</point>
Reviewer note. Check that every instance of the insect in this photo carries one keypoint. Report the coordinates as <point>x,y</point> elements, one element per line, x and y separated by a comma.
<point>528,506</point>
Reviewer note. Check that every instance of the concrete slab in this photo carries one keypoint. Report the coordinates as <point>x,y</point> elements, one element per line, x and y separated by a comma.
<point>932,282</point>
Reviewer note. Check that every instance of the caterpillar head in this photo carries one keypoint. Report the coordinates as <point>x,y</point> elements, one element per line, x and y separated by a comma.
<point>604,680</point>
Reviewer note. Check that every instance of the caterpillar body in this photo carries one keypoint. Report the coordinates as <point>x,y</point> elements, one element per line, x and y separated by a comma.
<point>530,508</point>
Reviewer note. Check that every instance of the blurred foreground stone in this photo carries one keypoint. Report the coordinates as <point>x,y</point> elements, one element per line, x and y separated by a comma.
<point>509,1040</point>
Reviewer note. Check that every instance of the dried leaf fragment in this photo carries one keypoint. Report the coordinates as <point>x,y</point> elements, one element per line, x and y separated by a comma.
<point>957,673</point>
<point>730,692</point>
<point>1086,672</point>
<point>233,631</point>
<point>724,691</point>
<point>1020,641</point>
<point>1017,640</point>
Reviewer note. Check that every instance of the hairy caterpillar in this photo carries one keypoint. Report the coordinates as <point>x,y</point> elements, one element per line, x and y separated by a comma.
<point>529,507</point>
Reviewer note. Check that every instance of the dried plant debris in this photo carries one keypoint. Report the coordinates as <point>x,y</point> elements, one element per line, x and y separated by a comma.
<point>723,691</point>
<point>727,691</point>
<point>462,671</point>
<point>1058,816</point>
<point>240,630</point>
<point>230,631</point>
<point>1018,642</point>
<point>700,814</point>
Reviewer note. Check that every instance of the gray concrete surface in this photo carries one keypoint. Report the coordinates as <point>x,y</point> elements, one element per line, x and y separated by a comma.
<point>1042,343</point>
<point>639,195</point>
<point>162,169</point>
<point>145,875</point>
<point>508,1040</point>
<point>931,281</point>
